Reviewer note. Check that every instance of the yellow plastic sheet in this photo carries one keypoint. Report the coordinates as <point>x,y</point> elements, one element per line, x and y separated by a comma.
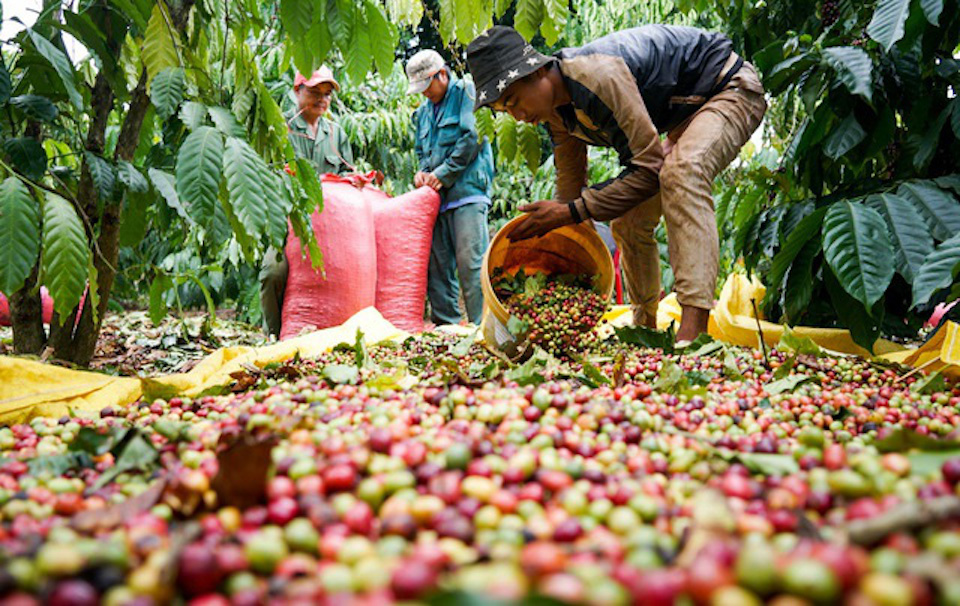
<point>29,388</point>
<point>732,320</point>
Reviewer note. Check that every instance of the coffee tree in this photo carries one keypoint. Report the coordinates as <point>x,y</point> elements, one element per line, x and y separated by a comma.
<point>858,225</point>
<point>168,131</point>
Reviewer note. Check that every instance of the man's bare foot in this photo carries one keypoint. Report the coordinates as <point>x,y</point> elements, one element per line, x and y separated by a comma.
<point>693,321</point>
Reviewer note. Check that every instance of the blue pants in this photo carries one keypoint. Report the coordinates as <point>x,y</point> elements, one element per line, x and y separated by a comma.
<point>460,238</point>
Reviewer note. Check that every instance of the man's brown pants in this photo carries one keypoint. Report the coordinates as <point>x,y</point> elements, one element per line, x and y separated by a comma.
<point>706,143</point>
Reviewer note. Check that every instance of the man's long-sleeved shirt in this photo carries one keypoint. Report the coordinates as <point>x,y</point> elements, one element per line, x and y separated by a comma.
<point>448,146</point>
<point>329,150</point>
<point>626,89</point>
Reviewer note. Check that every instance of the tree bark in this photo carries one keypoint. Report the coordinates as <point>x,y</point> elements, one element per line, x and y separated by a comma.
<point>26,316</point>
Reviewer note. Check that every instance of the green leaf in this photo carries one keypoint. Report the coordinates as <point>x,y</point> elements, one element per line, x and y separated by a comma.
<point>244,171</point>
<point>932,383</point>
<point>886,27</point>
<point>133,217</point>
<point>158,307</point>
<point>132,178</point>
<point>357,61</point>
<point>864,324</point>
<point>845,137</point>
<point>448,21</point>
<point>530,145</point>
<point>279,205</point>
<point>61,64</point>
<point>133,452</point>
<point>731,369</point>
<point>911,239</point>
<point>166,91</point>
<point>58,464</point>
<point>808,227</point>
<point>902,440</point>
<point>27,156</point>
<point>95,442</point>
<point>160,42</point>
<point>167,186</point>
<point>854,67</point>
<point>769,464</point>
<point>798,288</point>
<point>5,85</point>
<point>137,11</point>
<point>555,13</point>
<point>383,38</point>
<point>340,374</point>
<point>592,376</point>
<point>199,164</point>
<point>786,72</point>
<point>35,107</point>
<point>858,250</point>
<point>192,114</point>
<point>516,326</point>
<point>92,35</point>
<point>530,372</point>
<point>101,172</point>
<point>527,18</point>
<point>462,348</point>
<point>938,270</point>
<point>932,10</point>
<point>927,144</point>
<point>226,123</point>
<point>506,128</point>
<point>939,209</point>
<point>341,21</point>
<point>485,124</point>
<point>791,342</point>
<point>296,16</point>
<point>310,182</point>
<point>65,254</point>
<point>787,384</point>
<point>643,336</point>
<point>928,463</point>
<point>19,234</point>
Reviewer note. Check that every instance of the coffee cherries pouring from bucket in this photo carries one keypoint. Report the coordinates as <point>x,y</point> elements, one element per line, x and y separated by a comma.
<point>559,313</point>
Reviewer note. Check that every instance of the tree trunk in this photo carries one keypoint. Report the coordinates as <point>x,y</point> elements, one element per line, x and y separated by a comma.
<point>79,345</point>
<point>83,342</point>
<point>26,316</point>
<point>64,340</point>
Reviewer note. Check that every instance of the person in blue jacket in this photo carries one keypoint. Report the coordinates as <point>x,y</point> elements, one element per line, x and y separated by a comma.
<point>455,162</point>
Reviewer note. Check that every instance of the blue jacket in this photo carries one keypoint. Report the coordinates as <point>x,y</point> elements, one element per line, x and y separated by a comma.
<point>447,145</point>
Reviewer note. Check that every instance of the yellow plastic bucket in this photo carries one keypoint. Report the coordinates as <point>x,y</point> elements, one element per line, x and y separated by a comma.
<point>572,249</point>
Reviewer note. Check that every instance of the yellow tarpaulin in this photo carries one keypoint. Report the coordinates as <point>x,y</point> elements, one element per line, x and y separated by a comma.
<point>29,389</point>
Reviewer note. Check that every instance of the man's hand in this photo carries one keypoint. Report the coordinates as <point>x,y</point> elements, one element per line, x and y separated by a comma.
<point>542,217</point>
<point>428,179</point>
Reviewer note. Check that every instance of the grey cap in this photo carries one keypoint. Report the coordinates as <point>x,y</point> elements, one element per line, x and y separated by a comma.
<point>421,68</point>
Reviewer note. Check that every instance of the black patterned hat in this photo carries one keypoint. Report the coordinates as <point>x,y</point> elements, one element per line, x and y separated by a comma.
<point>499,57</point>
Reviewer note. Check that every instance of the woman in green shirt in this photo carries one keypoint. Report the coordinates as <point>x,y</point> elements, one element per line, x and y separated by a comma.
<point>323,143</point>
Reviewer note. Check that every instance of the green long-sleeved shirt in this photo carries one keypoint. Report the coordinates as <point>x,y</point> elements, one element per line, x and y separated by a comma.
<point>329,151</point>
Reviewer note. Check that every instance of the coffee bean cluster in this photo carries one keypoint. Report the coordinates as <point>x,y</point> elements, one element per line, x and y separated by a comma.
<point>561,316</point>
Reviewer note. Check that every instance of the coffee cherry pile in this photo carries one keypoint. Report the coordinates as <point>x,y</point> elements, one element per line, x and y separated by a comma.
<point>632,492</point>
<point>561,315</point>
